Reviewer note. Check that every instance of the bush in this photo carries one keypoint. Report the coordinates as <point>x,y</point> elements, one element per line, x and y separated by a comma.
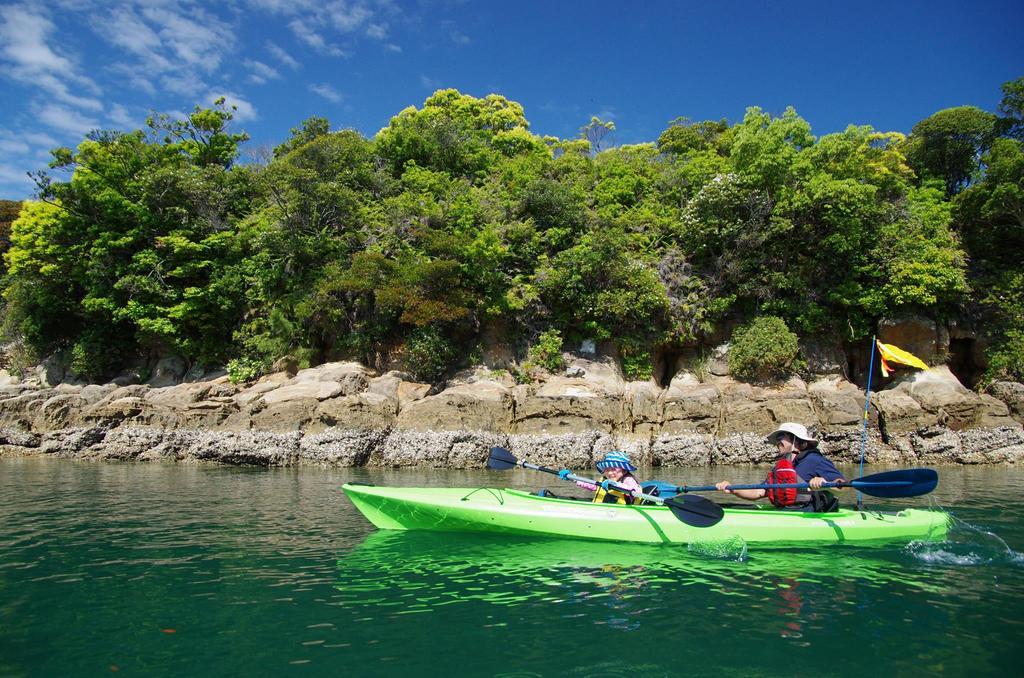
<point>546,352</point>
<point>1006,360</point>
<point>244,370</point>
<point>428,354</point>
<point>763,349</point>
<point>636,361</point>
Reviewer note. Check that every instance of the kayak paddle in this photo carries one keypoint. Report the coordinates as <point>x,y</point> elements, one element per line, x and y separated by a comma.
<point>692,510</point>
<point>911,482</point>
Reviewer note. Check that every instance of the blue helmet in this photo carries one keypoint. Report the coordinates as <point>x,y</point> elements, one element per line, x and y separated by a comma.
<point>615,460</point>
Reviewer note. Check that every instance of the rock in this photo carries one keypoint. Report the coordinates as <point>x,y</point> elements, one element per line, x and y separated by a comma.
<point>921,336</point>
<point>575,451</point>
<point>838,404</point>
<point>566,406</point>
<point>411,392</point>
<point>575,371</point>
<point>19,439</point>
<point>692,449</point>
<point>899,413</point>
<point>718,363</point>
<point>168,372</point>
<point>690,408</point>
<point>365,411</point>
<point>302,390</point>
<point>483,406</point>
<point>1011,393</point>
<point>823,357</point>
<point>435,448</point>
<point>288,364</point>
<point>988,446</point>
<point>645,409</point>
<point>341,447</point>
<point>746,448</point>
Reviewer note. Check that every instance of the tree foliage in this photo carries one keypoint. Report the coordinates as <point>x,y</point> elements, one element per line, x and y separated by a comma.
<point>456,215</point>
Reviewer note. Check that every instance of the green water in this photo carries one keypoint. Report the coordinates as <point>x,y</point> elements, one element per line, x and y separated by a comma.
<point>174,570</point>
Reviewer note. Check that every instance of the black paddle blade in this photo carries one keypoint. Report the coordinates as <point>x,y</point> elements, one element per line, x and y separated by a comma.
<point>918,481</point>
<point>501,459</point>
<point>695,511</point>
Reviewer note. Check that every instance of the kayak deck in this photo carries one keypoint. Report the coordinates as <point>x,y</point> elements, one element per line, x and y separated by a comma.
<point>517,512</point>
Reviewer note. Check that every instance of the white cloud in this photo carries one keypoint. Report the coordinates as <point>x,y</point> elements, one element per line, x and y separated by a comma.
<point>283,56</point>
<point>246,111</point>
<point>347,17</point>
<point>260,72</point>
<point>121,117</point>
<point>429,83</point>
<point>25,39</point>
<point>377,31</point>
<point>65,120</point>
<point>392,47</point>
<point>326,91</point>
<point>15,182</point>
<point>307,34</point>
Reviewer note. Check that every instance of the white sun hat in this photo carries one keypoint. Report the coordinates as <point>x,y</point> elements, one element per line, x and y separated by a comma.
<point>796,430</point>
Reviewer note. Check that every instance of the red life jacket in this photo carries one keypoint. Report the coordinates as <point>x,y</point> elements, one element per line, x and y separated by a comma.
<point>782,473</point>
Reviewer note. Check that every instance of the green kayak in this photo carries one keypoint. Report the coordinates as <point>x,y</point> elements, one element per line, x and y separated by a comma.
<point>522,513</point>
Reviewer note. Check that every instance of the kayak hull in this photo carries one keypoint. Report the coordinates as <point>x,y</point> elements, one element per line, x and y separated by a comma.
<point>521,513</point>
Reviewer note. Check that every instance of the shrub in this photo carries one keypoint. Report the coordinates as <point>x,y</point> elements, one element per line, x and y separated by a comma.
<point>243,370</point>
<point>636,361</point>
<point>428,354</point>
<point>547,352</point>
<point>1006,360</point>
<point>763,349</point>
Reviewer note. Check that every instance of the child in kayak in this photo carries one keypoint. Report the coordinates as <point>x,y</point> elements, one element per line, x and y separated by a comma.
<point>799,461</point>
<point>617,469</point>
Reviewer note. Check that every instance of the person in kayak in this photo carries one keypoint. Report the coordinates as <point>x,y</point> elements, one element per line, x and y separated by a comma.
<point>617,469</point>
<point>799,461</point>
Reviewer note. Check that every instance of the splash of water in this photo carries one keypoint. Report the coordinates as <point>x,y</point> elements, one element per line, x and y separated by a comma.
<point>966,545</point>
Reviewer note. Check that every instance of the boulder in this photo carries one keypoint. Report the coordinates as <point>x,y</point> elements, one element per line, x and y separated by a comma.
<point>689,406</point>
<point>899,413</point>
<point>838,404</point>
<point>566,406</point>
<point>168,372</point>
<point>692,449</point>
<point>923,337</point>
<point>365,411</point>
<point>480,406</point>
<point>574,451</point>
<point>1011,393</point>
<point>338,447</point>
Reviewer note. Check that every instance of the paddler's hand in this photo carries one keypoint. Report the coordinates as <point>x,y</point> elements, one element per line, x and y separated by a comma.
<point>724,486</point>
<point>606,484</point>
<point>564,474</point>
<point>816,482</point>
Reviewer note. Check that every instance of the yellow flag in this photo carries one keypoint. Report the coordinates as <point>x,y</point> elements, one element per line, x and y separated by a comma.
<point>890,353</point>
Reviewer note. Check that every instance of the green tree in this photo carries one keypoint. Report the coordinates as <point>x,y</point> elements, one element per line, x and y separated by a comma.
<point>948,145</point>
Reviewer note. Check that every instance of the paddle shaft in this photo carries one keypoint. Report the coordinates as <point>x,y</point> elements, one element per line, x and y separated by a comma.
<point>682,489</point>
<point>573,476</point>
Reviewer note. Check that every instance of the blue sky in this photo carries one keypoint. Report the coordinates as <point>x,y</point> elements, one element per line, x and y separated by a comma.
<point>70,65</point>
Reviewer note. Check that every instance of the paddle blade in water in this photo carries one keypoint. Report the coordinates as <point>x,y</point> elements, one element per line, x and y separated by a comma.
<point>501,459</point>
<point>695,511</point>
<point>913,483</point>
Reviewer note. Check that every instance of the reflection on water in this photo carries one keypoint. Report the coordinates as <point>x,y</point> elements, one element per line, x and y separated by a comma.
<point>172,570</point>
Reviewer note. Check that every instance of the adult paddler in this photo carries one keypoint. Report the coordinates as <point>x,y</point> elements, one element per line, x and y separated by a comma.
<point>798,461</point>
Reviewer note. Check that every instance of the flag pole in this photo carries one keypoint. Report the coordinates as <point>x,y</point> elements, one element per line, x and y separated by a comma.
<point>864,430</point>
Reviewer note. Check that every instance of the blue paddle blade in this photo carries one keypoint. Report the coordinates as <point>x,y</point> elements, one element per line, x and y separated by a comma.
<point>695,511</point>
<point>501,459</point>
<point>913,483</point>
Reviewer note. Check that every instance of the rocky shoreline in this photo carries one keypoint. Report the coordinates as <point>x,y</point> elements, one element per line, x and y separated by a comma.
<point>345,414</point>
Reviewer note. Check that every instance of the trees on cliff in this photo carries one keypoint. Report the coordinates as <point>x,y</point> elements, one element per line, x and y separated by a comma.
<point>456,216</point>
